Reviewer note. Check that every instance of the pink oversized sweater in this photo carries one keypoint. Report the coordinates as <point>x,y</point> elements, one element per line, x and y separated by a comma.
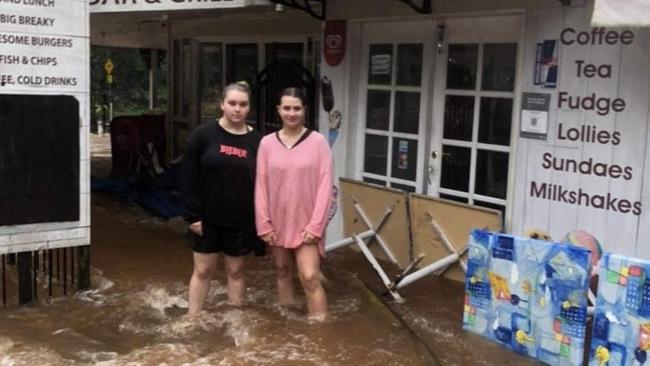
<point>293,189</point>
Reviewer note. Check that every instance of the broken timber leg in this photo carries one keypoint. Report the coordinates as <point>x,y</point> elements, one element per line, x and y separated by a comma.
<point>447,243</point>
<point>377,267</point>
<point>376,228</point>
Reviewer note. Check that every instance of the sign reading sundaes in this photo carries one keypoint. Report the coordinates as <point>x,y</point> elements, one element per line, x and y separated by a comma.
<point>110,6</point>
<point>43,45</point>
<point>602,106</point>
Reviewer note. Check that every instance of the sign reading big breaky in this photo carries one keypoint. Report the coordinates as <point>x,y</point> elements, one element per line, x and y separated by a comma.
<point>44,46</point>
<point>111,6</point>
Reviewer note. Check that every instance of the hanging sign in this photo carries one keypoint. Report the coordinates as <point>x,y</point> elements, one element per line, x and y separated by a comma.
<point>113,6</point>
<point>334,41</point>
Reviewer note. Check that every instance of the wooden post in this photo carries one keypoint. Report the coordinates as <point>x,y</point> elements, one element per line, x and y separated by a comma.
<point>24,265</point>
<point>83,279</point>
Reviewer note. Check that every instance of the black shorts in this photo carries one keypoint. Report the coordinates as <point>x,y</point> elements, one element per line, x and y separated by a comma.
<point>232,242</point>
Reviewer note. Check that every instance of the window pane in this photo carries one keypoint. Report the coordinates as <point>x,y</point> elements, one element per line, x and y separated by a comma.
<point>491,173</point>
<point>453,198</point>
<point>455,168</point>
<point>402,187</point>
<point>289,53</point>
<point>378,109</point>
<point>181,133</point>
<point>380,68</point>
<point>374,181</point>
<point>241,65</point>
<point>492,206</point>
<point>210,79</point>
<point>499,65</point>
<point>376,154</point>
<point>495,121</point>
<point>187,77</point>
<point>409,64</point>
<point>177,78</point>
<point>461,68</point>
<point>405,158</point>
<point>459,117</point>
<point>407,112</point>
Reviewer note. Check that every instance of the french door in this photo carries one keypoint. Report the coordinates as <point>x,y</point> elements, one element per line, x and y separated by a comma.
<point>393,104</point>
<point>473,108</point>
<point>436,107</point>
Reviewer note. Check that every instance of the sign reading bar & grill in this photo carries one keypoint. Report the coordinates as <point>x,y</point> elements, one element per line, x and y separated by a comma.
<point>114,6</point>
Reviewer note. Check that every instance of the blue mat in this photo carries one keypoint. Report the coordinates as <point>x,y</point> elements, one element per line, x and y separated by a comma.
<point>158,195</point>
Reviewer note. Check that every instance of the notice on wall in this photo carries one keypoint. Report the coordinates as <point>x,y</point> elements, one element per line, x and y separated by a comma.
<point>534,115</point>
<point>43,45</point>
<point>113,6</point>
<point>585,125</point>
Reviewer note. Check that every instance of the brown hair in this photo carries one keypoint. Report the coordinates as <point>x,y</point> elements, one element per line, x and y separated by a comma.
<point>296,93</point>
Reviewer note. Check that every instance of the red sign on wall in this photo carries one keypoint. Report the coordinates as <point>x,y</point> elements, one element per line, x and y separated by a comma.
<point>334,41</point>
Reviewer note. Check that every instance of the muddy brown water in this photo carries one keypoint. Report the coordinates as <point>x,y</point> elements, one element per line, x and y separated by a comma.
<point>134,313</point>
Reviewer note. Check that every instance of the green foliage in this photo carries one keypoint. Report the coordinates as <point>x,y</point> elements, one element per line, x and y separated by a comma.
<point>130,88</point>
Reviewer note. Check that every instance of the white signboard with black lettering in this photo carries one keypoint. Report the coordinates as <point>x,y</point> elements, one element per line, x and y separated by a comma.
<point>114,6</point>
<point>67,17</point>
<point>44,67</point>
<point>589,174</point>
<point>44,46</point>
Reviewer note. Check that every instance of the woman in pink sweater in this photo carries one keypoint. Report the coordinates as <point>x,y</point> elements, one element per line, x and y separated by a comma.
<point>293,189</point>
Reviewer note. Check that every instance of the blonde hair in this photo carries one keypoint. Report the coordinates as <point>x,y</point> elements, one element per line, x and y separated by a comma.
<point>241,86</point>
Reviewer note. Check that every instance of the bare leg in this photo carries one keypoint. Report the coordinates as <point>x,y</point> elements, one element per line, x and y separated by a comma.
<point>236,285</point>
<point>284,276</point>
<point>308,260</point>
<point>204,268</point>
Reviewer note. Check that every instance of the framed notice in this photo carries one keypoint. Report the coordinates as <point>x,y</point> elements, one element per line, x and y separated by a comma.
<point>380,64</point>
<point>534,115</point>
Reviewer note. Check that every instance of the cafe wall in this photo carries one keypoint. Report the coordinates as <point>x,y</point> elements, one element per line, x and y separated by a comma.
<point>581,150</point>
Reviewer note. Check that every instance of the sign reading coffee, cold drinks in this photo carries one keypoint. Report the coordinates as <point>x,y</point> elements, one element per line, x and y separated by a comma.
<point>43,45</point>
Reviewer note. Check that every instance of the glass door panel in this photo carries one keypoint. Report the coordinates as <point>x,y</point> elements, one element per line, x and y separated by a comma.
<point>473,105</point>
<point>242,65</point>
<point>393,115</point>
<point>210,80</point>
<point>477,120</point>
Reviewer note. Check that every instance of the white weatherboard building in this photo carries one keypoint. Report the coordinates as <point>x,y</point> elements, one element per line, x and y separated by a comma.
<point>523,106</point>
<point>527,106</point>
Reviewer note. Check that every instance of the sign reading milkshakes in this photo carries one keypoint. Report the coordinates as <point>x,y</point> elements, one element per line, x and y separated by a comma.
<point>112,6</point>
<point>587,124</point>
<point>42,45</point>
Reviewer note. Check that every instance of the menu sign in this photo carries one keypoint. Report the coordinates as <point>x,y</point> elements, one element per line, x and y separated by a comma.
<point>43,45</point>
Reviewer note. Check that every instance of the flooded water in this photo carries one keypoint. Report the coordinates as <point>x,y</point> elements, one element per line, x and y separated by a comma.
<point>134,313</point>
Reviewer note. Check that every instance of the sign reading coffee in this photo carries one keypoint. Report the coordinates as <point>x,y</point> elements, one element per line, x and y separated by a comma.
<point>598,105</point>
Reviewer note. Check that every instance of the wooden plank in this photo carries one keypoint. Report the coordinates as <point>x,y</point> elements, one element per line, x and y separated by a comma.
<point>83,279</point>
<point>24,266</point>
<point>374,200</point>
<point>455,219</point>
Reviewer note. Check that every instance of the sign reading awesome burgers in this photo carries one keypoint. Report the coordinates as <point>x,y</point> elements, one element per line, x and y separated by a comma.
<point>115,6</point>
